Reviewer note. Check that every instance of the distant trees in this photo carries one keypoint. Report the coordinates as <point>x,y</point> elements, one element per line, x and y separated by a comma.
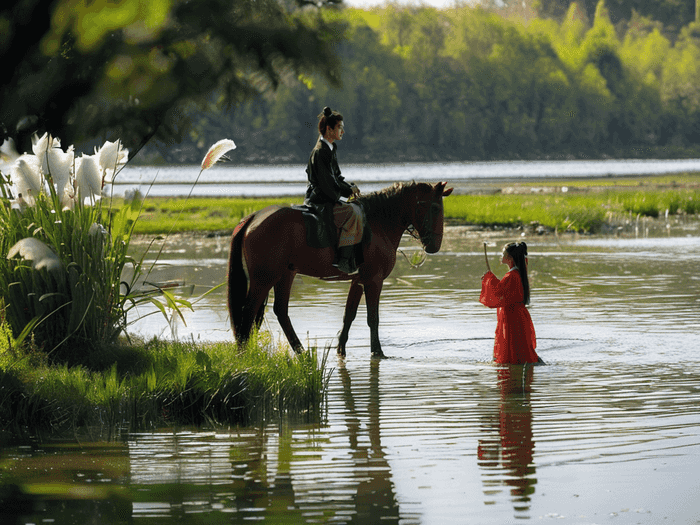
<point>672,14</point>
<point>465,83</point>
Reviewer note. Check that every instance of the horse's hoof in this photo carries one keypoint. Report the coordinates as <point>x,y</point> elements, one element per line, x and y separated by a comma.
<point>378,355</point>
<point>341,352</point>
<point>298,349</point>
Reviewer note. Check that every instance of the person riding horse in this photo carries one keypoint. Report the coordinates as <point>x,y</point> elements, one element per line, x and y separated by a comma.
<point>326,187</point>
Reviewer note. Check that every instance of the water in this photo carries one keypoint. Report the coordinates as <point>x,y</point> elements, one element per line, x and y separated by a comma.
<point>265,181</point>
<point>607,432</point>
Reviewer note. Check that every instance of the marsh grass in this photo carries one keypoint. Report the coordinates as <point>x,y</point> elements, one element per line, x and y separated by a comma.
<point>588,207</point>
<point>211,214</point>
<point>583,212</point>
<point>158,383</point>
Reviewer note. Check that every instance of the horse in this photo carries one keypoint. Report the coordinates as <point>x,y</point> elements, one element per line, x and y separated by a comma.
<point>269,247</point>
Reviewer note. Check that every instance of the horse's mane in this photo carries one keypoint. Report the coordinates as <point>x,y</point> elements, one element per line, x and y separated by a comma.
<point>385,203</point>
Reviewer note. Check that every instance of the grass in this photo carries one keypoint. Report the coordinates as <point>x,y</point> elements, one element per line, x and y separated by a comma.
<point>587,212</point>
<point>161,215</point>
<point>587,206</point>
<point>156,384</point>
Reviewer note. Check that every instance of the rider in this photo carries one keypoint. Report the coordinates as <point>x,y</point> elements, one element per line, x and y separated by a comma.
<point>327,186</point>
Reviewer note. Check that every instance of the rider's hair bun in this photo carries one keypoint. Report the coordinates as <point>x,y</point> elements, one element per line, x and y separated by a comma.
<point>327,111</point>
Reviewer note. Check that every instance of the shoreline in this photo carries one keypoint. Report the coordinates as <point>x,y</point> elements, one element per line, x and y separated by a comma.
<point>645,227</point>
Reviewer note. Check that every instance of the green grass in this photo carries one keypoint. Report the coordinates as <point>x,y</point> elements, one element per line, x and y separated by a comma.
<point>161,215</point>
<point>568,211</point>
<point>158,383</point>
<point>586,207</point>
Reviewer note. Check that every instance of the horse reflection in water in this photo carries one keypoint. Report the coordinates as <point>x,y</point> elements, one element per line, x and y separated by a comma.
<point>508,458</point>
<point>268,249</point>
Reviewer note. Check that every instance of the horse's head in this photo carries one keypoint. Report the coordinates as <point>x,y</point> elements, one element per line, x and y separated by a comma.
<point>428,214</point>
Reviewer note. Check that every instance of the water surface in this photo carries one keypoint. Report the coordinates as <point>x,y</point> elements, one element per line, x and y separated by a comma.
<point>607,432</point>
<point>265,181</point>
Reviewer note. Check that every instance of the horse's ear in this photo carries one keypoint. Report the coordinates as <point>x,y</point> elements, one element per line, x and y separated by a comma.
<point>446,192</point>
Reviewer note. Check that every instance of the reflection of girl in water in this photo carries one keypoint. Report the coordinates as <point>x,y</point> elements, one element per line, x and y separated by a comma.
<point>515,335</point>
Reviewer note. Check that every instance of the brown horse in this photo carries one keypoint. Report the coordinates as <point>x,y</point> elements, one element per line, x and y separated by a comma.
<point>268,248</point>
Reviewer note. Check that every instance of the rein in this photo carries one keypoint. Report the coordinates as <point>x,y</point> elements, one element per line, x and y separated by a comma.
<point>428,221</point>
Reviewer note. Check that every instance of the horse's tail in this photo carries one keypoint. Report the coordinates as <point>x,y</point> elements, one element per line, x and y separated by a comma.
<point>238,280</point>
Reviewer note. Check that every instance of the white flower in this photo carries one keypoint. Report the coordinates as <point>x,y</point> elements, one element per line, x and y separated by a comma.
<point>216,152</point>
<point>111,156</point>
<point>88,177</point>
<point>8,155</point>
<point>40,145</point>
<point>60,166</point>
<point>36,251</point>
<point>26,177</point>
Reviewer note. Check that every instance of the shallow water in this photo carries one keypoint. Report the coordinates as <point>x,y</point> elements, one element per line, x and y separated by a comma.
<point>607,432</point>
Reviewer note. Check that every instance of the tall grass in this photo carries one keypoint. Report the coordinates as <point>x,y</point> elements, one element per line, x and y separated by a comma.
<point>64,251</point>
<point>81,303</point>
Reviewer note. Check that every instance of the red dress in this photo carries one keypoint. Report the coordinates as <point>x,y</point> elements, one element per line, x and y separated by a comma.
<point>515,335</point>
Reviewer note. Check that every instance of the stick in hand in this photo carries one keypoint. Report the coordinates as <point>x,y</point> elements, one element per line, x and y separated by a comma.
<point>486,257</point>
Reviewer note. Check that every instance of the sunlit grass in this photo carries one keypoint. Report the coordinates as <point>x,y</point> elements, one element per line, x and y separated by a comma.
<point>568,211</point>
<point>161,215</point>
<point>587,206</point>
<point>160,383</point>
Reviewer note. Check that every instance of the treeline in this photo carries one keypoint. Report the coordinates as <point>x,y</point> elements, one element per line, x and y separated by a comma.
<point>422,84</point>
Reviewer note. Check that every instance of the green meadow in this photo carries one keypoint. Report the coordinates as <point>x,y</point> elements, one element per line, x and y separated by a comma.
<point>585,206</point>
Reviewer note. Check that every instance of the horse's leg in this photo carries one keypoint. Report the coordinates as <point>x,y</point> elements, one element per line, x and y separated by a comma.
<point>372,292</point>
<point>255,301</point>
<point>354,296</point>
<point>281,308</point>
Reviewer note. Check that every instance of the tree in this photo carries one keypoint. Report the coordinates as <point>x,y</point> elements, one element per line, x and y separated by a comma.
<point>85,69</point>
<point>674,14</point>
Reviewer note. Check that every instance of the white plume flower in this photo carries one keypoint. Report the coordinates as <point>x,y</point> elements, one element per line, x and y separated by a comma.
<point>111,156</point>
<point>26,177</point>
<point>216,152</point>
<point>8,155</point>
<point>88,177</point>
<point>60,165</point>
<point>34,250</point>
<point>40,146</point>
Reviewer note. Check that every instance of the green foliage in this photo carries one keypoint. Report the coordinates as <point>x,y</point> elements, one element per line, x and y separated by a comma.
<point>88,69</point>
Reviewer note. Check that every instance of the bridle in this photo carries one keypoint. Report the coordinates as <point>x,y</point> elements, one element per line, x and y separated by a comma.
<point>428,233</point>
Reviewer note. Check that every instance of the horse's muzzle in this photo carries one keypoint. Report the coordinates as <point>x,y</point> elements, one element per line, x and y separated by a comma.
<point>432,242</point>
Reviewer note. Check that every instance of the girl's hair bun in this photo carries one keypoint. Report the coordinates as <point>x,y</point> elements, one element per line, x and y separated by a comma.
<point>327,111</point>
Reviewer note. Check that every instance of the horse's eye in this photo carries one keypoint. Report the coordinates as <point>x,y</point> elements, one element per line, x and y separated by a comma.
<point>435,207</point>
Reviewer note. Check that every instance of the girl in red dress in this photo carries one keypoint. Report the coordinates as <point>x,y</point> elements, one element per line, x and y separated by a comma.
<point>515,335</point>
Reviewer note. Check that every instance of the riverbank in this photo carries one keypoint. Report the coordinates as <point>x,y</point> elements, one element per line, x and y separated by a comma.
<point>143,385</point>
<point>586,205</point>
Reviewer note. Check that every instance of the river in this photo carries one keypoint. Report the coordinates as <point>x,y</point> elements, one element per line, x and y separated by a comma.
<point>265,181</point>
<point>607,432</point>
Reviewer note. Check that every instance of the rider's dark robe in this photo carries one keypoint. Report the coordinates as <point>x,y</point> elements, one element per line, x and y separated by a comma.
<point>326,184</point>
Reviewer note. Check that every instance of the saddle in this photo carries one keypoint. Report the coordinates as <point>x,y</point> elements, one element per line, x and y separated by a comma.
<point>320,228</point>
